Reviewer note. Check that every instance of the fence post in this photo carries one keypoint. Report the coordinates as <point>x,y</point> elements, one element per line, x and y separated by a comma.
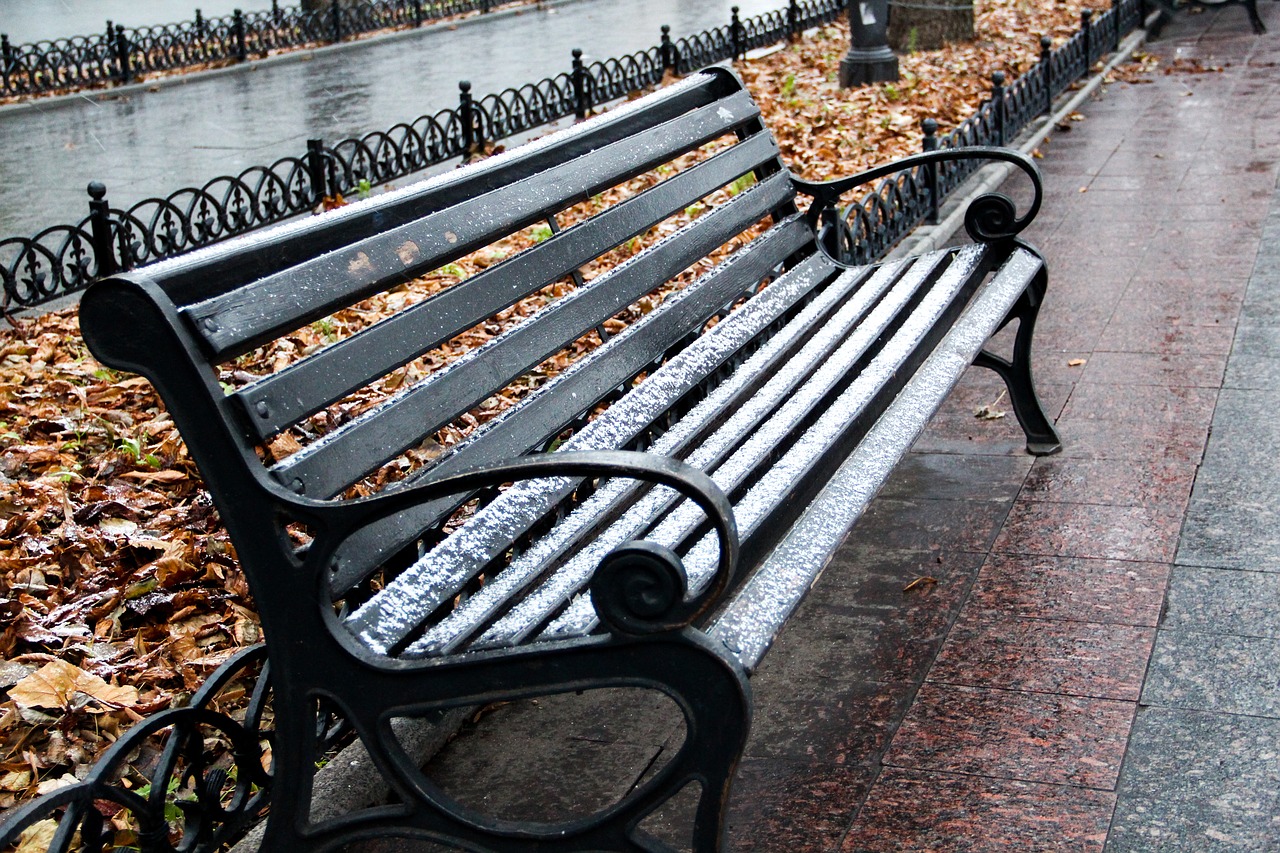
<point>581,86</point>
<point>417,13</point>
<point>1046,65</point>
<point>735,26</point>
<point>275,12</point>
<point>122,53</point>
<point>793,20</point>
<point>471,141</point>
<point>100,229</point>
<point>484,6</point>
<point>1115,25</point>
<point>6,58</point>
<point>242,52</point>
<point>930,143</point>
<point>670,56</point>
<point>199,25</point>
<point>335,20</point>
<point>1086,16</point>
<point>319,174</point>
<point>997,105</point>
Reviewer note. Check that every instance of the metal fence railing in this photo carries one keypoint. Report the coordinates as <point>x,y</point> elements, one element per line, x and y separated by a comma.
<point>120,54</point>
<point>63,259</point>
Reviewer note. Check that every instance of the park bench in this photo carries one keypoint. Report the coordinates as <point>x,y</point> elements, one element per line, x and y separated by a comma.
<point>647,517</point>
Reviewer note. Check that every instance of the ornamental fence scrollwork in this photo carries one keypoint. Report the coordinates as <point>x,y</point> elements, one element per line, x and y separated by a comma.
<point>63,259</point>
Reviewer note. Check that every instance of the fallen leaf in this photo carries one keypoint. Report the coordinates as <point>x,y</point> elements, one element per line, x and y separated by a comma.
<point>57,684</point>
<point>919,582</point>
<point>168,476</point>
<point>1076,362</point>
<point>38,837</point>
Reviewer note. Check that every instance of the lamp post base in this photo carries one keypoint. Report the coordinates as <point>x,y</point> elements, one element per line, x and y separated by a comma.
<point>868,65</point>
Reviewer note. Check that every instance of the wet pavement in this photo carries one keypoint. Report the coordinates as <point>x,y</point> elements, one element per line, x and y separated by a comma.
<point>151,143</point>
<point>1090,664</point>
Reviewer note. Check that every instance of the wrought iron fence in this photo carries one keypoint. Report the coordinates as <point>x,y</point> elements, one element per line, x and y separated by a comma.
<point>123,54</point>
<point>66,258</point>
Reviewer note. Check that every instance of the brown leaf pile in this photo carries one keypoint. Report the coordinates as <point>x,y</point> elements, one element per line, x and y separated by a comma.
<point>119,588</point>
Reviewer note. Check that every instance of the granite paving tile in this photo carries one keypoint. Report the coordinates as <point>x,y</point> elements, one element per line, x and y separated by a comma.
<point>1261,341</point>
<point>1121,334</point>
<point>835,720</point>
<point>1171,407</point>
<point>1090,530</point>
<point>946,476</point>
<point>1186,213</point>
<point>1260,312</point>
<point>1096,438</point>
<point>1222,241</point>
<point>1069,332</point>
<point>922,524</point>
<point>1115,591</point>
<point>1214,672</point>
<point>1120,482</point>
<point>909,812</point>
<point>1199,783</point>
<point>794,806</point>
<point>1034,737</point>
<point>1044,656</point>
<point>1253,372</point>
<point>1126,368</point>
<point>1223,601</point>
<point>1233,270</point>
<point>890,637</point>
<point>1168,303</point>
<point>1232,536</point>
<point>960,435</point>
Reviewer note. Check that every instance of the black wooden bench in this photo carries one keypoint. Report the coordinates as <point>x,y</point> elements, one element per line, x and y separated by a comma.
<point>561,544</point>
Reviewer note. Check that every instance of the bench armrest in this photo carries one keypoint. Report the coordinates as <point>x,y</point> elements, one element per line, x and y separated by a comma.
<point>990,217</point>
<point>639,588</point>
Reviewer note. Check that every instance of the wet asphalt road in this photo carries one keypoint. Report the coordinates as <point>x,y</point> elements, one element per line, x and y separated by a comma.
<point>152,143</point>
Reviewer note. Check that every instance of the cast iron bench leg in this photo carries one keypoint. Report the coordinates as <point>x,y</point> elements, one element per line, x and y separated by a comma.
<point>1254,19</point>
<point>712,695</point>
<point>1042,437</point>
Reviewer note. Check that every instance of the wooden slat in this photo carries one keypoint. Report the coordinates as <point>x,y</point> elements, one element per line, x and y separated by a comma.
<point>238,321</point>
<point>554,406</point>
<point>305,387</point>
<point>225,266</point>
<point>335,461</point>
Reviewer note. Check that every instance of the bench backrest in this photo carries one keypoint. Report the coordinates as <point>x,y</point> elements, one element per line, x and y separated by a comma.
<point>194,320</point>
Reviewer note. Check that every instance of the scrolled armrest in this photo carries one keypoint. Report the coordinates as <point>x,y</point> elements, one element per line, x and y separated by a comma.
<point>989,217</point>
<point>639,588</point>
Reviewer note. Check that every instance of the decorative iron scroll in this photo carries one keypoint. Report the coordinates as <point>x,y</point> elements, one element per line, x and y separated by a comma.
<point>162,782</point>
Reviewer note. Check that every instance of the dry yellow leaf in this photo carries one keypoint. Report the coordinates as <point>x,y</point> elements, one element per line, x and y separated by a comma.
<point>56,685</point>
<point>1076,362</point>
<point>37,837</point>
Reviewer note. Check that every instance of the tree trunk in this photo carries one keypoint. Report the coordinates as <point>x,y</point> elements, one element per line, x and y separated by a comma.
<point>929,24</point>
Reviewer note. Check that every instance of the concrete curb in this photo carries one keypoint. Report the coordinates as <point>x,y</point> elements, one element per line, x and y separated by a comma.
<point>43,103</point>
<point>927,238</point>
